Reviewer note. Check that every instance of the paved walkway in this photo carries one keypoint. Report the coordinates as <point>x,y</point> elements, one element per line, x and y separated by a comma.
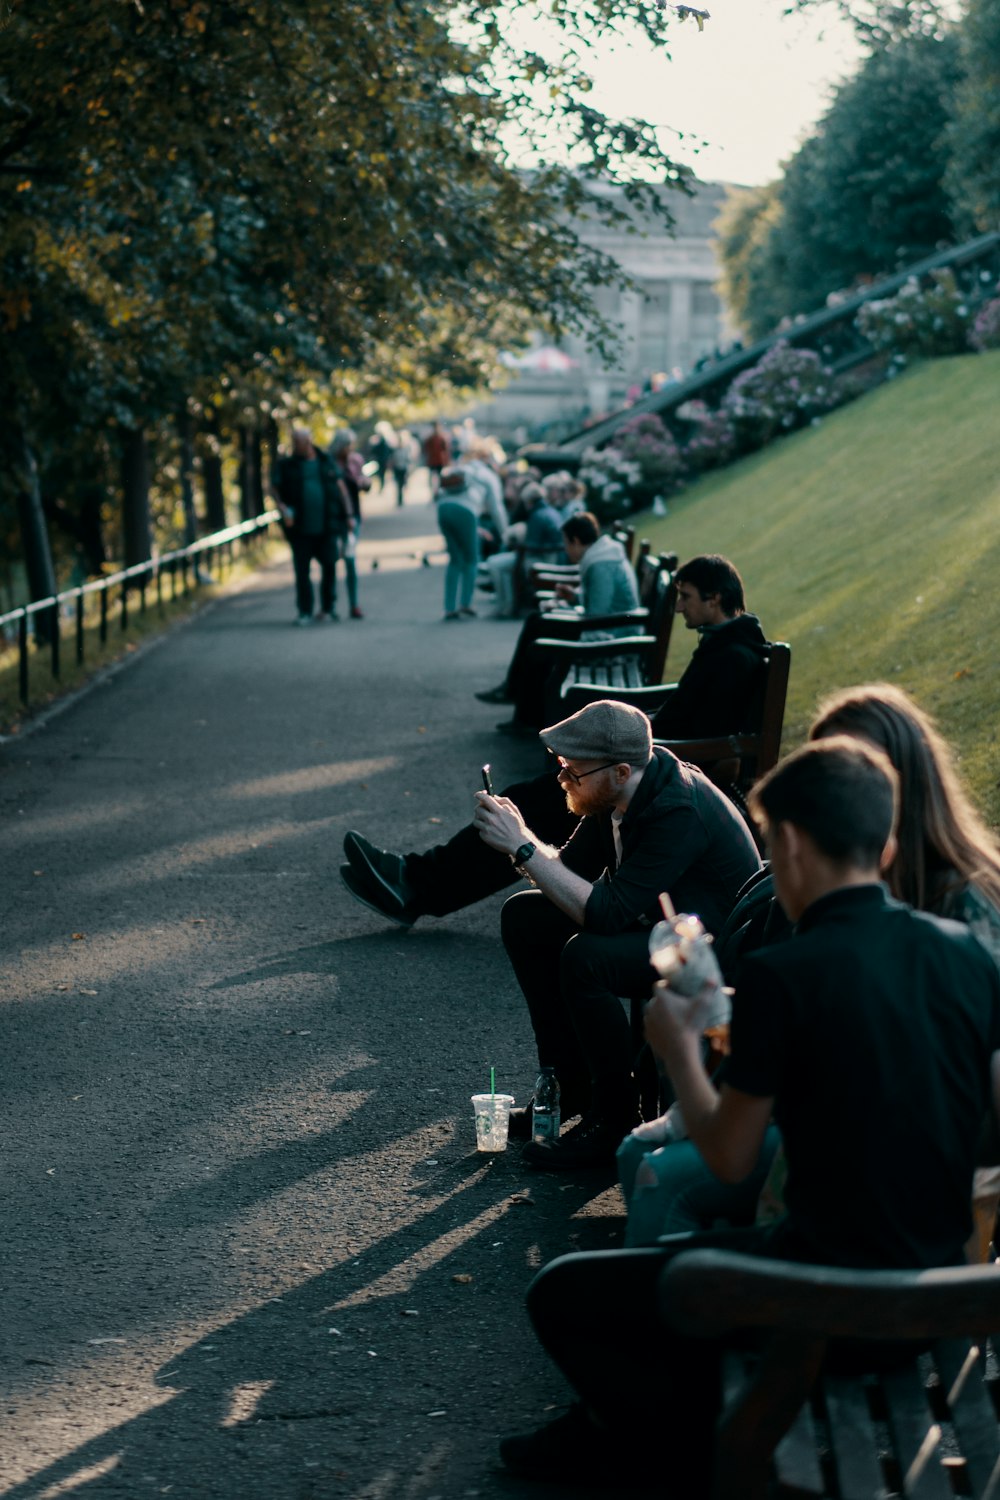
<point>251,1252</point>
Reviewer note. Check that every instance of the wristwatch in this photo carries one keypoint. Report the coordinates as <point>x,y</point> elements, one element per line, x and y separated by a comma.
<point>521,856</point>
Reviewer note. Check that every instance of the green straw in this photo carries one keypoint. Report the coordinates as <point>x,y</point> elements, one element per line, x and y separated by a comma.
<point>493,1084</point>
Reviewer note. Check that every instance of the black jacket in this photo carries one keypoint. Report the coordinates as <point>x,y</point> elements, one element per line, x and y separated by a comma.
<point>288,483</point>
<point>716,689</point>
<point>679,834</point>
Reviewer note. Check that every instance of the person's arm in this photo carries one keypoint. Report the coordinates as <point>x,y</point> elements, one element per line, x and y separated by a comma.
<point>727,1127</point>
<point>501,825</point>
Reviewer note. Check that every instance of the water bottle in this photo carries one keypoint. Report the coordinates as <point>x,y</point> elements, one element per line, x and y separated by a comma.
<point>545,1109</point>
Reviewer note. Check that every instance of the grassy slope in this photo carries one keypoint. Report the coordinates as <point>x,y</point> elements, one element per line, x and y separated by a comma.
<point>872,544</point>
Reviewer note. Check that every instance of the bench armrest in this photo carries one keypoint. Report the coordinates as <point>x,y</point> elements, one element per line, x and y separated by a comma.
<point>712,1291</point>
<point>634,617</point>
<point>565,653</point>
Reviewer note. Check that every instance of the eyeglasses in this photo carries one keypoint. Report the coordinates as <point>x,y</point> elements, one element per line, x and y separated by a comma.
<point>577,776</point>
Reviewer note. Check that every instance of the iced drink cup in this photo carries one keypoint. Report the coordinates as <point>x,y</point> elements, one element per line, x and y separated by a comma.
<point>492,1119</point>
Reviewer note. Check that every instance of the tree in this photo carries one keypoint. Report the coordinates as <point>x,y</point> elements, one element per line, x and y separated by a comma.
<point>863,196</point>
<point>973,136</point>
<point>241,196</point>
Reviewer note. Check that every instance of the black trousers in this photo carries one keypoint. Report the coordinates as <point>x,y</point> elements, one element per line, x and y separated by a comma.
<point>465,870</point>
<point>572,982</point>
<point>527,675</point>
<point>596,1316</point>
<point>323,549</point>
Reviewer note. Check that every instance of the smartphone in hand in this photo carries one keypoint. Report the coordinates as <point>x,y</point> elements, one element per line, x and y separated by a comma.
<point>487,780</point>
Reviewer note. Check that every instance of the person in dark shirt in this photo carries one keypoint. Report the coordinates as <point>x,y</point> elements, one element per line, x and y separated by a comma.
<point>717,686</point>
<point>314,509</point>
<point>872,1035</point>
<point>711,697</point>
<point>580,940</point>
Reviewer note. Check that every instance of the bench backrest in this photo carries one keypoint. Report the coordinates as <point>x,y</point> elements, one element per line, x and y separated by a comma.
<point>749,752</point>
<point>769,1421</point>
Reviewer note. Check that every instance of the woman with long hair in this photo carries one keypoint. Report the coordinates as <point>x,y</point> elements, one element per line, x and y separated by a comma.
<point>947,862</point>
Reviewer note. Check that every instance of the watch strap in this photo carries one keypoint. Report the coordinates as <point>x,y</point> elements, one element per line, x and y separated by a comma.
<point>521,856</point>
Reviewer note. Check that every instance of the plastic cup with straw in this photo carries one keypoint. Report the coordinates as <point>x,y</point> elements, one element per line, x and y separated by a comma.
<point>492,1112</point>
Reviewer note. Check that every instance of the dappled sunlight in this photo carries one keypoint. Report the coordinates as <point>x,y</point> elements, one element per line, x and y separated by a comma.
<point>244,1401</point>
<point>313,778</point>
<point>76,964</point>
<point>85,1475</point>
<point>194,854</point>
<point>67,821</point>
<point>402,1277</point>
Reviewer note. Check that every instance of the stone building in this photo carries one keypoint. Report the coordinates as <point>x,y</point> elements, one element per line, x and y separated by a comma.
<point>674,320</point>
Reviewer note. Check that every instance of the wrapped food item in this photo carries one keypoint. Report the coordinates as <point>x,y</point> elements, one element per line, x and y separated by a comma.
<point>681,952</point>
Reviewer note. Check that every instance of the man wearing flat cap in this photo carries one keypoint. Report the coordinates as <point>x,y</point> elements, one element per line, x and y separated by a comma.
<point>580,939</point>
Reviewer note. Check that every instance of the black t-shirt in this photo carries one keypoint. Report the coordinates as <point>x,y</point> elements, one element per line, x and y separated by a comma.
<point>873,1029</point>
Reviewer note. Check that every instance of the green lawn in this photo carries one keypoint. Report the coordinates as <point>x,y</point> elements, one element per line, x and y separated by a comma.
<point>871,543</point>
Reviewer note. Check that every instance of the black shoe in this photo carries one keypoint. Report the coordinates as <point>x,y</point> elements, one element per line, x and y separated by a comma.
<point>592,1143</point>
<point>374,897</point>
<point>383,873</point>
<point>517,730</point>
<point>467,611</point>
<point>495,695</point>
<point>573,1450</point>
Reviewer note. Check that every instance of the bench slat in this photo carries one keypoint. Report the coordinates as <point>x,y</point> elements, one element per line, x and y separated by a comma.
<point>795,1459</point>
<point>915,1435</point>
<point>972,1414</point>
<point>852,1434</point>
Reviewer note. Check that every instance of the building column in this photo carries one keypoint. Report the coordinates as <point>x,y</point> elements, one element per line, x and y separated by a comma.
<point>680,324</point>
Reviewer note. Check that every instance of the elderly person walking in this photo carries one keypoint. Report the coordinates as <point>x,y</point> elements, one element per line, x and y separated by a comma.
<point>461,500</point>
<point>349,469</point>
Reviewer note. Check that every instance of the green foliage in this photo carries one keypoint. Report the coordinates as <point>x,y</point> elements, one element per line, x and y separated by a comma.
<point>871,543</point>
<point>920,321</point>
<point>862,197</point>
<point>973,136</point>
<point>986,328</point>
<point>224,205</point>
<point>783,390</point>
<point>646,441</point>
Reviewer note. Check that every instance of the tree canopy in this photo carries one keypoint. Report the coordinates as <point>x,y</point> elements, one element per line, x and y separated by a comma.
<point>216,201</point>
<point>863,196</point>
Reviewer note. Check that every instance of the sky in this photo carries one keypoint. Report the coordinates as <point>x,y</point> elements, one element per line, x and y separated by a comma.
<point>751,83</point>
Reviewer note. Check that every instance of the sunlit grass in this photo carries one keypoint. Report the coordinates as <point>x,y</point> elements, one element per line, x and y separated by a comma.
<point>872,544</point>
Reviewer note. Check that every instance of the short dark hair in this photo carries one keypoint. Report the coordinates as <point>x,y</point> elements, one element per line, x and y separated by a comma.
<point>713,574</point>
<point>582,527</point>
<point>841,792</point>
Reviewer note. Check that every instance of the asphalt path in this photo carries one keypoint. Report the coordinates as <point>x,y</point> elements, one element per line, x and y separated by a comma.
<point>250,1248</point>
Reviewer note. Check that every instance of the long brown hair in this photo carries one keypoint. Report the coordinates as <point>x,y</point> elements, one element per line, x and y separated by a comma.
<point>943,841</point>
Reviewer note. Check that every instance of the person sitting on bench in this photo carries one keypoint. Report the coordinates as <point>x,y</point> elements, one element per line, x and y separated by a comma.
<point>720,678</point>
<point>580,940</point>
<point>607,587</point>
<point>711,697</point>
<point>873,1036</point>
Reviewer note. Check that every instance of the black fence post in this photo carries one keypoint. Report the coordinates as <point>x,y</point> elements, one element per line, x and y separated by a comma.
<point>159,588</point>
<point>22,657</point>
<point>79,627</point>
<point>124,621</point>
<point>104,615</point>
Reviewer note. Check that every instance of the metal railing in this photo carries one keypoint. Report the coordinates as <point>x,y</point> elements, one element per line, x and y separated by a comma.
<point>186,570</point>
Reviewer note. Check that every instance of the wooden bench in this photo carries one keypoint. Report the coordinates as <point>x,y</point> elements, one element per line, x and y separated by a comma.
<point>735,761</point>
<point>584,671</point>
<point>926,1429</point>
